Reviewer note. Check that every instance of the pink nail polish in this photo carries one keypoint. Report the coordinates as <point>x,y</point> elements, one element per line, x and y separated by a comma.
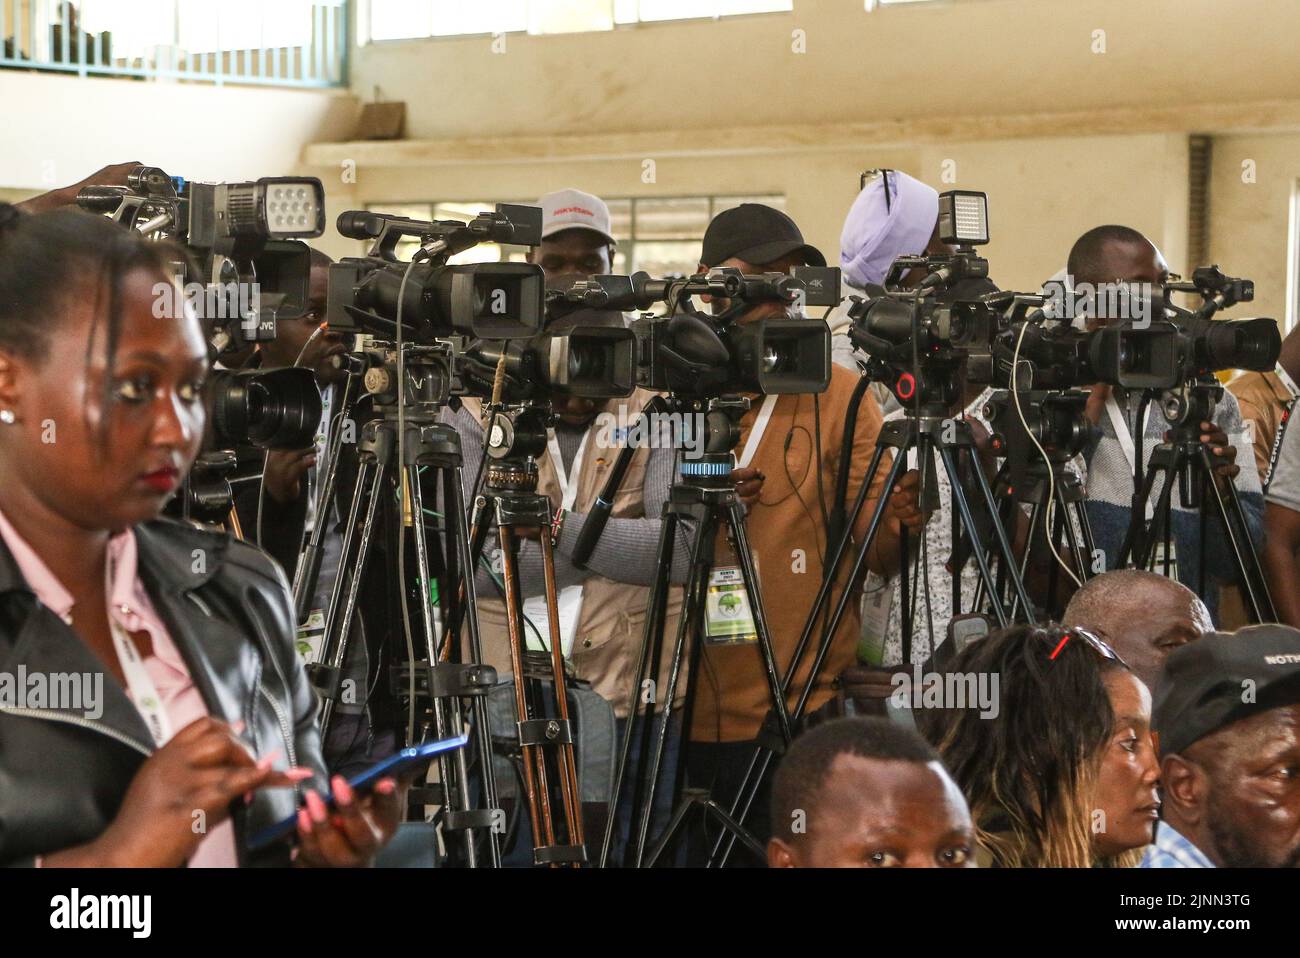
<point>386,787</point>
<point>304,822</point>
<point>316,806</point>
<point>342,791</point>
<point>299,774</point>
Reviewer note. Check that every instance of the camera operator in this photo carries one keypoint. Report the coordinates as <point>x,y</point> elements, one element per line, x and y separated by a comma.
<point>606,602</point>
<point>893,215</point>
<point>280,511</point>
<point>789,457</point>
<point>1103,257</point>
<point>1282,517</point>
<point>1265,400</point>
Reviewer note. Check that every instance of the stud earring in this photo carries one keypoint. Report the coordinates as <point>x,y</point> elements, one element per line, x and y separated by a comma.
<point>7,417</point>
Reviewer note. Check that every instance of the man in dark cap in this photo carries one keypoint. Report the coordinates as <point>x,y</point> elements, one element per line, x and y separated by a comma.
<point>787,459</point>
<point>1227,713</point>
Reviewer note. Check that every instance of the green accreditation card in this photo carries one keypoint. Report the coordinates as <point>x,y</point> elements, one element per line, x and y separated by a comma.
<point>311,636</point>
<point>728,616</point>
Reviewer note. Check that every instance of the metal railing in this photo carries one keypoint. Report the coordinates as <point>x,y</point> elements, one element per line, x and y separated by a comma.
<point>292,43</point>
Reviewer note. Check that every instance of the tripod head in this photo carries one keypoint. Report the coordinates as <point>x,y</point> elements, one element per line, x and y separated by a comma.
<point>1188,405</point>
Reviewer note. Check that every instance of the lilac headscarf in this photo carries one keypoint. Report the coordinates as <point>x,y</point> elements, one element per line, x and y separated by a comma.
<point>874,237</point>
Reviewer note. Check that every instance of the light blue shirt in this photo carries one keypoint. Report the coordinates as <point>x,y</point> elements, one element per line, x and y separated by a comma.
<point>1173,850</point>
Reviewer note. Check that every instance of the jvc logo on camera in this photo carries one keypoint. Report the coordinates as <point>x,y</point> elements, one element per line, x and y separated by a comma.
<point>77,911</point>
<point>1129,302</point>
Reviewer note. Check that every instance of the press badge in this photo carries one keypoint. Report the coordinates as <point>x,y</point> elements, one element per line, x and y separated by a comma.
<point>569,609</point>
<point>728,616</point>
<point>311,637</point>
<point>877,600</point>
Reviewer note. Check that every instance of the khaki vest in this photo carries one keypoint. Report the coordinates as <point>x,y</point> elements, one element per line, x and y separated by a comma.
<point>612,623</point>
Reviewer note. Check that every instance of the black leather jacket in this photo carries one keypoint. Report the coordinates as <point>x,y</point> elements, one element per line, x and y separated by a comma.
<point>226,606</point>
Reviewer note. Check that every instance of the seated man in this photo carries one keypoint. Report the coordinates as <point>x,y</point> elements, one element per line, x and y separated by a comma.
<point>867,793</point>
<point>1143,615</point>
<point>1227,713</point>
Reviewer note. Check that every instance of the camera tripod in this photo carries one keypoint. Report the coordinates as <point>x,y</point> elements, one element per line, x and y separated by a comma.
<point>1032,478</point>
<point>449,684</point>
<point>510,501</point>
<point>927,427</point>
<point>1183,460</point>
<point>702,492</point>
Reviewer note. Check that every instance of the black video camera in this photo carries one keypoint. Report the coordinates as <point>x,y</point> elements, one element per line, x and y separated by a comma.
<point>689,353</point>
<point>248,269</point>
<point>433,299</point>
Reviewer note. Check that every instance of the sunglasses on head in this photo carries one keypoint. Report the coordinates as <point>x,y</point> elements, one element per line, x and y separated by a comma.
<point>1059,637</point>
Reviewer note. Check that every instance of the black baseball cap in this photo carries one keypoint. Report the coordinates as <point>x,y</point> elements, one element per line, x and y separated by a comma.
<point>1222,678</point>
<point>757,234</point>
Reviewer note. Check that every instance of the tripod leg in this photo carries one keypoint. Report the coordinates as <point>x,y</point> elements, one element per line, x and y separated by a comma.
<point>760,762</point>
<point>534,792</point>
<point>1037,519</point>
<point>1137,541</point>
<point>1008,558</point>
<point>647,658</point>
<point>337,637</point>
<point>1243,549</point>
<point>690,625</point>
<point>565,761</point>
<point>736,519</point>
<point>458,529</point>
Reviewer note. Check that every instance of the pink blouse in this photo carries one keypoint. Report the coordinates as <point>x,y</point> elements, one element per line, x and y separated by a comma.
<point>129,607</point>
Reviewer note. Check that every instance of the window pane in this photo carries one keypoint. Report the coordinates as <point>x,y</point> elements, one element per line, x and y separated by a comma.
<point>620,217</point>
<point>400,19</point>
<point>721,203</point>
<point>662,259</point>
<point>681,218</point>
<point>630,11</point>
<point>570,16</point>
<point>452,17</point>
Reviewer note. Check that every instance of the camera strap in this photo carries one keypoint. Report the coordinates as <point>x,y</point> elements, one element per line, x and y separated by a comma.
<point>1120,423</point>
<point>568,599</point>
<point>756,434</point>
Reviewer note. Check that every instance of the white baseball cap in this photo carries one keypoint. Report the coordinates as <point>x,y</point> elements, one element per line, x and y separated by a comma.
<point>574,209</point>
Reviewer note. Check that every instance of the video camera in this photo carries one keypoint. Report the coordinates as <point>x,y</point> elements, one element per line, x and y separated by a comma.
<point>693,354</point>
<point>1147,342</point>
<point>434,300</point>
<point>249,270</point>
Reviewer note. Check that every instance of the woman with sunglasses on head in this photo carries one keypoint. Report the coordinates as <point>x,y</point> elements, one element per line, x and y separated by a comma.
<point>1065,774</point>
<point>193,725</point>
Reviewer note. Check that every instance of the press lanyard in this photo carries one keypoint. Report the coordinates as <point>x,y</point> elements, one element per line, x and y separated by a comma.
<point>1126,439</point>
<point>1287,381</point>
<point>139,686</point>
<point>568,481</point>
<point>756,434</point>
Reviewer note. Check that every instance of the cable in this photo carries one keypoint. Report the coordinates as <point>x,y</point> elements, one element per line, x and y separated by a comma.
<point>419,256</point>
<point>1051,473</point>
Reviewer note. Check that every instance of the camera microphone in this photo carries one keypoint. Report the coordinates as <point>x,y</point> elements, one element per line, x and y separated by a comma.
<point>360,224</point>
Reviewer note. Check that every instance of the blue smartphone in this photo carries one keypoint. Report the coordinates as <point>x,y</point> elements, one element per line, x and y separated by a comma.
<point>405,762</point>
